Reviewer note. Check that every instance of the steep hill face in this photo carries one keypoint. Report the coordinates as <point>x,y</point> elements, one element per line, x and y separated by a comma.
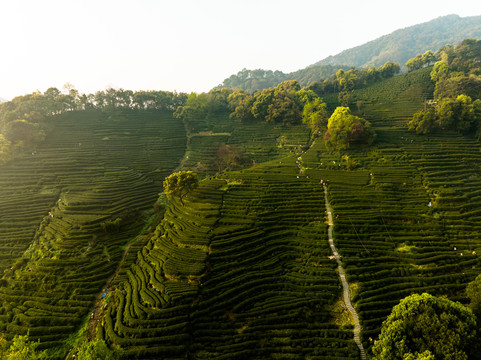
<point>404,44</point>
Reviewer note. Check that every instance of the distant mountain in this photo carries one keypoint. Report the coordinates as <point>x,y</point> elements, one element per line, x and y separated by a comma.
<point>399,46</point>
<point>2,100</point>
<point>404,44</point>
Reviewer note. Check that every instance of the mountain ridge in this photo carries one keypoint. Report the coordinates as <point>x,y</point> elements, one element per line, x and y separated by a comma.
<point>398,46</point>
<point>410,41</point>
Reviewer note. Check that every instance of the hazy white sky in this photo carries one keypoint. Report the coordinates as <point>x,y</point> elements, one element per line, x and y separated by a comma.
<point>186,45</point>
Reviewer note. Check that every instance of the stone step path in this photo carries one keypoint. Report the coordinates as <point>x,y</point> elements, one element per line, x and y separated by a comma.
<point>346,294</point>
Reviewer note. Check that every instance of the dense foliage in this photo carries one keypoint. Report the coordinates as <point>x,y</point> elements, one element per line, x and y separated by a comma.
<point>458,70</point>
<point>461,114</point>
<point>21,348</point>
<point>96,349</point>
<point>285,104</point>
<point>344,82</point>
<point>420,61</point>
<point>180,184</point>
<point>345,130</point>
<point>425,327</point>
<point>252,80</point>
<point>457,77</point>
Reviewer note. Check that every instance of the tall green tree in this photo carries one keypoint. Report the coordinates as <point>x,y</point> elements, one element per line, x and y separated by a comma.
<point>423,122</point>
<point>241,102</point>
<point>427,327</point>
<point>180,184</point>
<point>344,130</point>
<point>314,111</point>
<point>285,106</point>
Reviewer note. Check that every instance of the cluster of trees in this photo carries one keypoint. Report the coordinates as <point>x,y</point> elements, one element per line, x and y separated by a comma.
<point>202,106</point>
<point>252,80</point>
<point>286,104</point>
<point>22,120</point>
<point>20,348</point>
<point>456,105</point>
<point>420,61</point>
<point>461,114</point>
<point>259,79</point>
<point>458,70</point>
<point>281,104</point>
<point>345,82</point>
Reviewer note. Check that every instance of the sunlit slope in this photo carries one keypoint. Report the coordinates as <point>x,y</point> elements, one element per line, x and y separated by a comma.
<point>241,271</point>
<point>68,208</point>
<point>409,213</point>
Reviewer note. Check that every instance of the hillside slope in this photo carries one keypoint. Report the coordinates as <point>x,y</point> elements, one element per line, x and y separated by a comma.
<point>69,207</point>
<point>243,270</point>
<point>404,44</point>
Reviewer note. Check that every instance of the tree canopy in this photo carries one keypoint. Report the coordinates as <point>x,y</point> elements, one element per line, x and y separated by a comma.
<point>259,79</point>
<point>460,114</point>
<point>345,81</point>
<point>427,327</point>
<point>20,349</point>
<point>286,104</point>
<point>180,184</point>
<point>344,130</point>
<point>426,59</point>
<point>458,70</point>
<point>457,104</point>
<point>97,349</point>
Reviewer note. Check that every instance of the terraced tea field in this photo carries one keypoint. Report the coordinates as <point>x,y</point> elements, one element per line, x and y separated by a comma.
<point>258,141</point>
<point>408,216</point>
<point>69,207</point>
<point>244,269</point>
<point>241,271</point>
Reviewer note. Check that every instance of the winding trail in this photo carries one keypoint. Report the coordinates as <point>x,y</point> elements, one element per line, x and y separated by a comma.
<point>345,286</point>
